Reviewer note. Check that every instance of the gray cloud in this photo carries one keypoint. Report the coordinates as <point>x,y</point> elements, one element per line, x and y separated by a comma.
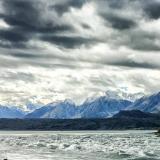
<point>61,49</point>
<point>140,40</point>
<point>133,64</point>
<point>11,76</point>
<point>25,20</point>
<point>69,42</point>
<point>61,8</point>
<point>118,22</point>
<point>13,36</point>
<point>152,9</point>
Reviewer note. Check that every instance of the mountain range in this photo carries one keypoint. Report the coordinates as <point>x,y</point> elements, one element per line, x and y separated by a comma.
<point>59,110</point>
<point>147,104</point>
<point>11,112</point>
<point>101,107</point>
<point>124,120</point>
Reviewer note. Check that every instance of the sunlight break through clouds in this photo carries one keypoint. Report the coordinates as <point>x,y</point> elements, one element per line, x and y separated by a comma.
<point>53,50</point>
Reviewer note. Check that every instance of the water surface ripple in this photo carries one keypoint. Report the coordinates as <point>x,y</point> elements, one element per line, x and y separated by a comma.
<point>95,145</point>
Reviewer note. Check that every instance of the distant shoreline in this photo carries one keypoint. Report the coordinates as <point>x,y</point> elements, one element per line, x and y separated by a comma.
<point>123,123</point>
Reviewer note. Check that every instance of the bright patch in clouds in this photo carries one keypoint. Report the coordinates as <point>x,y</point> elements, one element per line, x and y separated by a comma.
<point>3,24</point>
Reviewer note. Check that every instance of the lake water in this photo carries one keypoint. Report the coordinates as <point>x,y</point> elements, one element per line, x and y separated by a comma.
<point>82,145</point>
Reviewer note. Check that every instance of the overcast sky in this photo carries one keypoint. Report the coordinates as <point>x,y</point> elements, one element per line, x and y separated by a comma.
<point>56,49</point>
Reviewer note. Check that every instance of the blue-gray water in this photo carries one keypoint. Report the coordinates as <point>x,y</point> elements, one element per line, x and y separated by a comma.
<point>85,145</point>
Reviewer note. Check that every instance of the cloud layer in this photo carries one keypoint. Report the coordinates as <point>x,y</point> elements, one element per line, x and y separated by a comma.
<point>52,50</point>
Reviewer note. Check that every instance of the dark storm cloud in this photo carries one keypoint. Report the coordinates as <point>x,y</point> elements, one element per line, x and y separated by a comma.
<point>120,16</point>
<point>152,9</point>
<point>68,41</point>
<point>21,16</point>
<point>111,11</point>
<point>34,55</point>
<point>118,22</point>
<point>134,64</point>
<point>24,18</point>
<point>21,13</point>
<point>13,36</point>
<point>26,23</point>
<point>25,55</point>
<point>116,4</point>
<point>61,8</point>
<point>16,16</point>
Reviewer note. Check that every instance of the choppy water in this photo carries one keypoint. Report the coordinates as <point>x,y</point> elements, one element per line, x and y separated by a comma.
<point>97,145</point>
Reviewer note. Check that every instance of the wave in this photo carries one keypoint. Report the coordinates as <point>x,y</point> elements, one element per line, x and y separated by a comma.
<point>122,146</point>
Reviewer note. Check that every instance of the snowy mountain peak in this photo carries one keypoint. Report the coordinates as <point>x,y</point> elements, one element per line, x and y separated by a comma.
<point>10,112</point>
<point>101,107</point>
<point>57,110</point>
<point>147,104</point>
<point>95,107</point>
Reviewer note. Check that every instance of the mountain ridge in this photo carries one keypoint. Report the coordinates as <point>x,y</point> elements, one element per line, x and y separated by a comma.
<point>11,112</point>
<point>99,107</point>
<point>129,122</point>
<point>147,104</point>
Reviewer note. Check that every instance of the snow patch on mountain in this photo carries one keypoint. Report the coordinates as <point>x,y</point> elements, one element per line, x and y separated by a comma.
<point>102,107</point>
<point>57,110</point>
<point>147,104</point>
<point>11,112</point>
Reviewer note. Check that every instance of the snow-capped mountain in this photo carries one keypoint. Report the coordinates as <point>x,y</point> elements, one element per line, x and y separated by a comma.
<point>11,112</point>
<point>102,107</point>
<point>57,110</point>
<point>30,107</point>
<point>95,107</point>
<point>147,104</point>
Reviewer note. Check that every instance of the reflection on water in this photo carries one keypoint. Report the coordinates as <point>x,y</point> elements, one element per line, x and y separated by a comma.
<point>97,145</point>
